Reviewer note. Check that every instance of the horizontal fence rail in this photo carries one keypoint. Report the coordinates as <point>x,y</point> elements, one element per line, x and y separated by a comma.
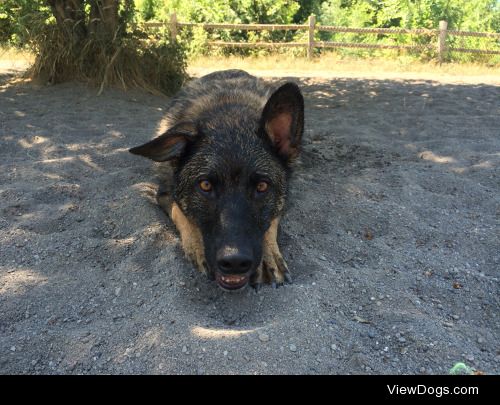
<point>421,31</point>
<point>441,34</point>
<point>256,44</point>
<point>246,27</point>
<point>329,44</point>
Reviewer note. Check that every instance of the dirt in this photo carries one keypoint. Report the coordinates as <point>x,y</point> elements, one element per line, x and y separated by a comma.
<point>391,234</point>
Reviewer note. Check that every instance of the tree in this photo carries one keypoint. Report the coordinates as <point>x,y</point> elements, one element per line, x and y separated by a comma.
<point>96,41</point>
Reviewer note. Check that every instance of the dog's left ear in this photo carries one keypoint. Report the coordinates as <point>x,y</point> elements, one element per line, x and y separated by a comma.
<point>169,145</point>
<point>283,120</point>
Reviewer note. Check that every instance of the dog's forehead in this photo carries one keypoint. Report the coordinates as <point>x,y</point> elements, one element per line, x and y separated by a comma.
<point>229,157</point>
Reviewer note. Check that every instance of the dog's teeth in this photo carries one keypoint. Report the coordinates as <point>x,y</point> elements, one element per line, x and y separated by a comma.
<point>233,279</point>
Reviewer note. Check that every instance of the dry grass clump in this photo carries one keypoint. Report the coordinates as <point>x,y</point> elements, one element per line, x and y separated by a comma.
<point>128,60</point>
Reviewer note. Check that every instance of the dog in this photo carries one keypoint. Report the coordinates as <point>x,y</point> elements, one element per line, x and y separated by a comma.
<point>232,141</point>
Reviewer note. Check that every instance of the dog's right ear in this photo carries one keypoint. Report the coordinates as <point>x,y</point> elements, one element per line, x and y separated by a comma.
<point>169,145</point>
<point>283,120</point>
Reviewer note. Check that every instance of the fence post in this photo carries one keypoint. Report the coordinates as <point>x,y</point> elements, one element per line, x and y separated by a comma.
<point>173,27</point>
<point>443,26</point>
<point>310,43</point>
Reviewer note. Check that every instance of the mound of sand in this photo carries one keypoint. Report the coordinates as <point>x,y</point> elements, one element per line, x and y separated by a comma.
<point>391,236</point>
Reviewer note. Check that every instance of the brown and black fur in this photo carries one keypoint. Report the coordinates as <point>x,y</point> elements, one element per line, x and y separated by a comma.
<point>235,132</point>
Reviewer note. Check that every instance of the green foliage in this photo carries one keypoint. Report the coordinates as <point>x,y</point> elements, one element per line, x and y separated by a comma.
<point>19,17</point>
<point>478,15</point>
<point>148,9</point>
<point>306,8</point>
<point>94,41</point>
<point>230,12</point>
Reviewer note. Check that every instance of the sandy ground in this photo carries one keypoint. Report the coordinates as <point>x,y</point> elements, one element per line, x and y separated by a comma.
<point>392,236</point>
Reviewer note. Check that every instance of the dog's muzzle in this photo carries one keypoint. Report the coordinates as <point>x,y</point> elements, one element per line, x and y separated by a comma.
<point>234,267</point>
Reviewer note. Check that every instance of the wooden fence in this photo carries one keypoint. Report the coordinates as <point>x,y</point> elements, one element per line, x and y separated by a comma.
<point>441,35</point>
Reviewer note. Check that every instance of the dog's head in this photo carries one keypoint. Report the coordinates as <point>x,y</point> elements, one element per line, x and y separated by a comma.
<point>231,177</point>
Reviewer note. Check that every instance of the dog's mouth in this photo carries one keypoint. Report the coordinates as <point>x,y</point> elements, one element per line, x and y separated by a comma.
<point>232,281</point>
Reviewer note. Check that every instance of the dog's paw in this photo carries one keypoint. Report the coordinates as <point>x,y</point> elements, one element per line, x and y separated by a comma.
<point>273,268</point>
<point>200,262</point>
<point>192,240</point>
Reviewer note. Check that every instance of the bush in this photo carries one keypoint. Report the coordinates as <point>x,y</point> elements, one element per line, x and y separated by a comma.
<point>104,48</point>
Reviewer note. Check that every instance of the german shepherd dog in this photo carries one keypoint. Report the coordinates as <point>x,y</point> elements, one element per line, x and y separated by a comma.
<point>232,141</point>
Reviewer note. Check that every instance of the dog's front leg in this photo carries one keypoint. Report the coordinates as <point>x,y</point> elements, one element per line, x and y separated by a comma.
<point>192,240</point>
<point>273,267</point>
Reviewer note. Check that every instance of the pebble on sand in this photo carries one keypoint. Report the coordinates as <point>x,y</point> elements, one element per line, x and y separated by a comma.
<point>263,337</point>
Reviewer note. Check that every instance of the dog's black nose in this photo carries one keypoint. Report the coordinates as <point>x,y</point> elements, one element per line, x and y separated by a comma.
<point>232,261</point>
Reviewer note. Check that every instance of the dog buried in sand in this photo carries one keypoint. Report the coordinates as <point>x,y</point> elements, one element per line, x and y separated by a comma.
<point>231,140</point>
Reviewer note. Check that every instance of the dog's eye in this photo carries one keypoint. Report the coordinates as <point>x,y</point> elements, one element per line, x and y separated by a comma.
<point>262,186</point>
<point>205,186</point>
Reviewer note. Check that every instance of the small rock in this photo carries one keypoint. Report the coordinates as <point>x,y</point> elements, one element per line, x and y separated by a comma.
<point>333,347</point>
<point>118,290</point>
<point>470,358</point>
<point>371,334</point>
<point>455,317</point>
<point>263,337</point>
<point>480,340</point>
<point>52,320</point>
<point>422,370</point>
<point>293,348</point>
<point>402,339</point>
<point>13,348</point>
<point>225,353</point>
<point>184,349</point>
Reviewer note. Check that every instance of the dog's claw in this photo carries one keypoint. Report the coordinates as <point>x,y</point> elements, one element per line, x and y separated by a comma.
<point>256,287</point>
<point>274,271</point>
